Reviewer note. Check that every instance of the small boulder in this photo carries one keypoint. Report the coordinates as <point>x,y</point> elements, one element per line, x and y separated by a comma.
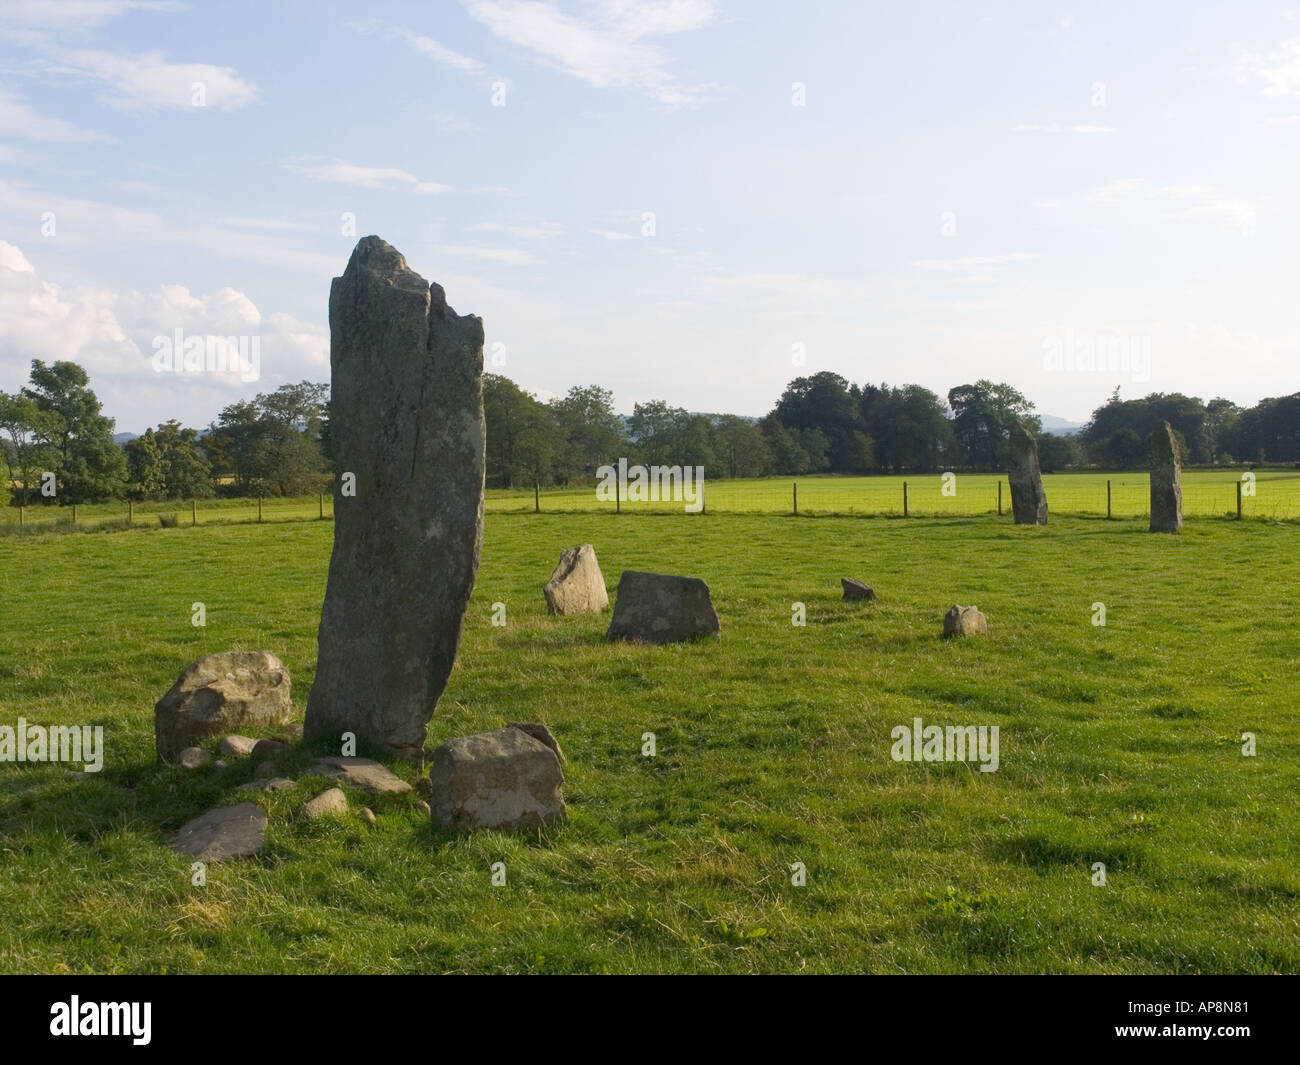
<point>331,803</point>
<point>279,784</point>
<point>221,834</point>
<point>965,621</point>
<point>363,772</point>
<point>264,750</point>
<point>856,591</point>
<point>218,693</point>
<point>237,745</point>
<point>266,771</point>
<point>504,779</point>
<point>659,608</point>
<point>577,586</point>
<point>193,758</point>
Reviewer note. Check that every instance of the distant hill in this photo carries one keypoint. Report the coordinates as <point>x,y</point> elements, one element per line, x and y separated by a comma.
<point>124,438</point>
<point>1060,426</point>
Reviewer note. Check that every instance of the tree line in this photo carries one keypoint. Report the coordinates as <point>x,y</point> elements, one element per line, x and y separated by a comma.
<point>278,443</point>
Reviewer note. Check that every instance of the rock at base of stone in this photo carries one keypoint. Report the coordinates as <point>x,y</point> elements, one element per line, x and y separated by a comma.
<point>265,750</point>
<point>504,779</point>
<point>965,621</point>
<point>363,772</point>
<point>406,418</point>
<point>1166,480</point>
<point>222,834</point>
<point>237,745</point>
<point>659,608</point>
<point>331,803</point>
<point>577,586</point>
<point>219,693</point>
<point>856,591</point>
<point>1028,497</point>
<point>193,758</point>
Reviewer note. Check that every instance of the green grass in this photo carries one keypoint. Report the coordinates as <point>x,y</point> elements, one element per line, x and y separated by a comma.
<point>1119,744</point>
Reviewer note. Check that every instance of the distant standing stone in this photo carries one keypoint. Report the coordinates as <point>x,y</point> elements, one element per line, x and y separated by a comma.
<point>504,779</point>
<point>577,586</point>
<point>856,590</point>
<point>1028,499</point>
<point>218,693</point>
<point>658,608</point>
<point>965,621</point>
<point>1166,480</point>
<point>224,833</point>
<point>406,415</point>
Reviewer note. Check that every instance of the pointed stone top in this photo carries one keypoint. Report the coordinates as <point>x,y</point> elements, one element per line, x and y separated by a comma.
<point>377,257</point>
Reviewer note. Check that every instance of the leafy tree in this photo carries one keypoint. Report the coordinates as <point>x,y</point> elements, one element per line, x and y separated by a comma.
<point>144,464</point>
<point>825,402</point>
<point>740,447</point>
<point>1058,452</point>
<point>523,438</point>
<point>91,466</point>
<point>27,445</point>
<point>592,434</point>
<point>983,414</point>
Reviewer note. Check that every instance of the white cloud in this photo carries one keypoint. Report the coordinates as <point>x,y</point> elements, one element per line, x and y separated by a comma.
<point>1278,69</point>
<point>74,14</point>
<point>149,82</point>
<point>974,262</point>
<point>1206,201</point>
<point>367,177</point>
<point>1056,127</point>
<point>609,50</point>
<point>440,52</point>
<point>19,120</point>
<point>612,234</point>
<point>508,256</point>
<point>540,231</point>
<point>1116,190</point>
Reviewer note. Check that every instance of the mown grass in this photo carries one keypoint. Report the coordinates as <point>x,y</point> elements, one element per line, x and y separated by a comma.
<point>1119,744</point>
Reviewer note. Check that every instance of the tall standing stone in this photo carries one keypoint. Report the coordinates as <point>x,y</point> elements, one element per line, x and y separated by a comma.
<point>1166,480</point>
<point>406,414</point>
<point>1028,500</point>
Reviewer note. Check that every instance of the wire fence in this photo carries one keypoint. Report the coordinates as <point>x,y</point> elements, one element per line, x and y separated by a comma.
<point>1274,496</point>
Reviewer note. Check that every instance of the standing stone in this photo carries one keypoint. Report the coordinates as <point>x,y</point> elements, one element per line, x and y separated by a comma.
<point>406,414</point>
<point>856,591</point>
<point>503,779</point>
<point>218,693</point>
<point>577,586</point>
<point>1166,480</point>
<point>965,621</point>
<point>1028,500</point>
<point>658,608</point>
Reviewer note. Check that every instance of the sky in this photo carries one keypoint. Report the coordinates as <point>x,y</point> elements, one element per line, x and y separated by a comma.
<point>687,200</point>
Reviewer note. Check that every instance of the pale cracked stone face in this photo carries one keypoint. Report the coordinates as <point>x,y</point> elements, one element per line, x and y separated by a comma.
<point>507,779</point>
<point>406,413</point>
<point>577,586</point>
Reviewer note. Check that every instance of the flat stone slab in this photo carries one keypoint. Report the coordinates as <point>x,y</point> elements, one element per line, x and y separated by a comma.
<point>504,779</point>
<point>362,772</point>
<point>660,608</point>
<point>221,834</point>
<point>577,586</point>
<point>856,591</point>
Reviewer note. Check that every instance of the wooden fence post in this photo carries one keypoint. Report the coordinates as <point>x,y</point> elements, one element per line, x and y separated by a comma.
<point>537,498</point>
<point>1239,501</point>
<point>320,506</point>
<point>130,512</point>
<point>259,510</point>
<point>794,487</point>
<point>1108,497</point>
<point>905,499</point>
<point>618,501</point>
<point>999,499</point>
<point>194,511</point>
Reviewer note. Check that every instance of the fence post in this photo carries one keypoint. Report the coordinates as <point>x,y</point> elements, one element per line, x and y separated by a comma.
<point>537,498</point>
<point>21,508</point>
<point>703,505</point>
<point>1239,501</point>
<point>1108,497</point>
<point>74,513</point>
<point>130,512</point>
<point>194,511</point>
<point>904,499</point>
<point>794,488</point>
<point>320,506</point>
<point>999,498</point>
<point>618,500</point>
<point>259,510</point>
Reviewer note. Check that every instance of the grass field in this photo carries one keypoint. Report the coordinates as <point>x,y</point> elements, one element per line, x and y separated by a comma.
<point>1119,744</point>
<point>1206,493</point>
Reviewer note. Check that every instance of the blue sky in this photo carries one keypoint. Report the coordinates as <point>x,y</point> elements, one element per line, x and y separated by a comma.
<point>961,190</point>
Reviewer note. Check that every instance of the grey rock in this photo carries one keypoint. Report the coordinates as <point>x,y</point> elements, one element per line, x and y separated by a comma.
<point>965,621</point>
<point>577,586</point>
<point>237,745</point>
<point>363,772</point>
<point>1028,498</point>
<point>221,834</point>
<point>540,733</point>
<point>658,608</point>
<point>406,414</point>
<point>279,784</point>
<point>331,803</point>
<point>193,758</point>
<point>266,771</point>
<point>856,590</point>
<point>504,779</point>
<point>1166,480</point>
<point>218,693</point>
<point>265,750</point>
